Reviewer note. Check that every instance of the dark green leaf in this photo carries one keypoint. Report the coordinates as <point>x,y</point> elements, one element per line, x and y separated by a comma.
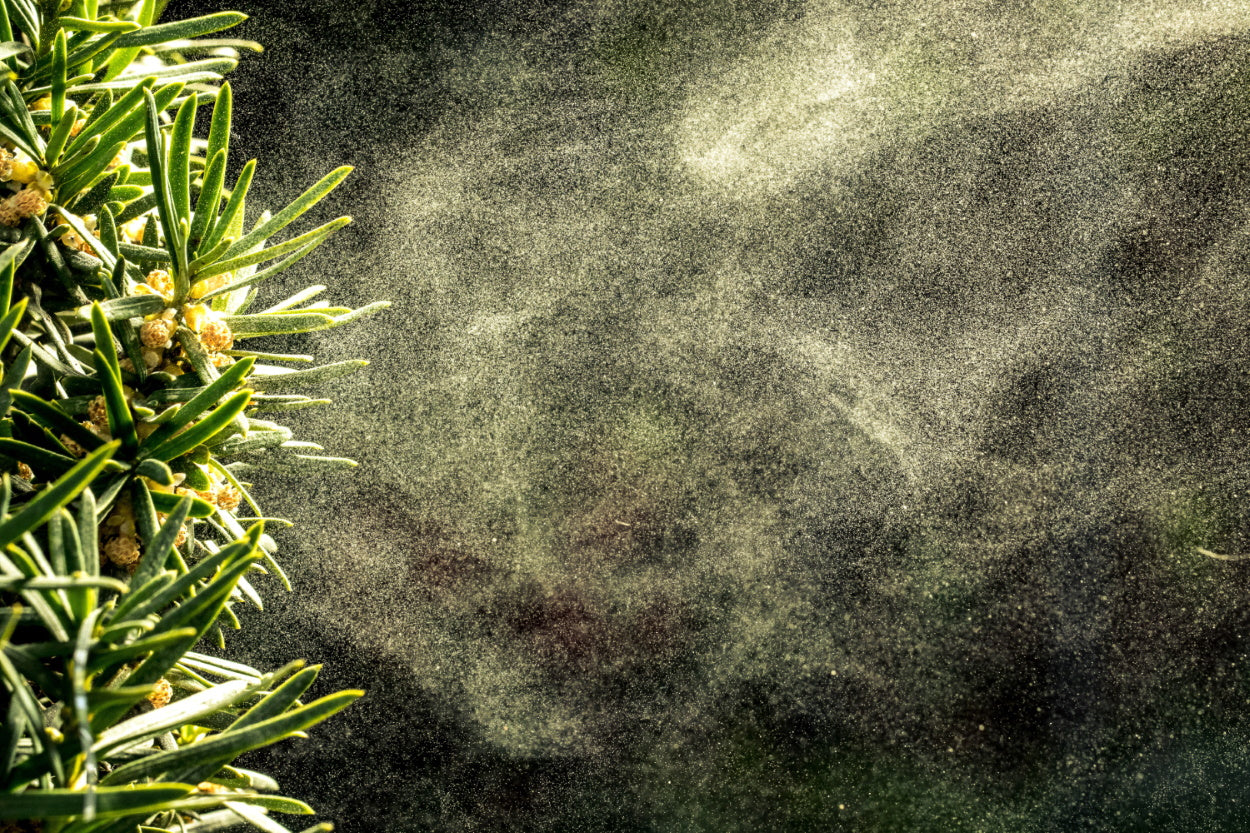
<point>12,728</point>
<point>282,404</point>
<point>47,463</point>
<point>275,804</point>
<point>236,552</point>
<point>126,106</point>
<point>6,29</point>
<point>199,612</point>
<point>220,667</point>
<point>18,124</point>
<point>9,321</point>
<point>219,129</point>
<point>37,510</point>
<point>88,532</point>
<point>83,53</point>
<point>303,358</point>
<point>55,419</point>
<point>279,700</point>
<point>157,551</point>
<point>19,690</point>
<point>206,257</point>
<point>80,601</point>
<point>121,421</point>
<point>157,471</point>
<point>51,607</point>
<point>208,69</point>
<point>10,258</point>
<point>79,174</point>
<point>269,271</point>
<point>166,503</point>
<point>109,801</point>
<point>254,441</point>
<point>201,402</point>
<point>265,325</point>
<point>144,13</point>
<point>42,357</point>
<point>91,201</point>
<point>256,818</point>
<point>143,254</point>
<point>294,464</point>
<point>26,16</point>
<point>204,430</point>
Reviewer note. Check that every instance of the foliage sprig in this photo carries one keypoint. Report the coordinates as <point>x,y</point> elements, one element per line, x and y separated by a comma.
<point>129,416</point>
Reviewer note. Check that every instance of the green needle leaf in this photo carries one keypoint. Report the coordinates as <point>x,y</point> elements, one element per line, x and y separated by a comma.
<point>144,14</point>
<point>210,753</point>
<point>245,326</point>
<point>167,503</point>
<point>219,129</point>
<point>269,271</point>
<point>122,309</point>
<point>39,459</point>
<point>17,124</point>
<point>182,29</point>
<point>59,50</point>
<point>56,419</point>
<point>104,337</point>
<point>10,258</point>
<point>157,552</point>
<point>179,176</point>
<point>209,200</point>
<point>103,660</point>
<point>9,322</point>
<point>233,212</point>
<point>278,701</point>
<point>178,713</point>
<point>127,105</point>
<point>16,585</point>
<point>121,421</point>
<point>80,24</point>
<point>56,142</point>
<point>285,378</point>
<point>45,503</point>
<point>202,401</point>
<point>315,236</point>
<point>204,430</point>
<point>110,802</point>
<point>286,216</point>
<point>166,209</point>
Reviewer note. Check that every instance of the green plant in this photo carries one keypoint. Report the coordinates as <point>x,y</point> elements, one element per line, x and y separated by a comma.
<point>129,412</point>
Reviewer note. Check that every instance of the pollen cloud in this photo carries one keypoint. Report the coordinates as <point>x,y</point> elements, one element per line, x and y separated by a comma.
<point>790,415</point>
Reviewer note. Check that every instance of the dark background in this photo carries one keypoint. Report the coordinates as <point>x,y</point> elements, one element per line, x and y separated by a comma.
<point>792,415</point>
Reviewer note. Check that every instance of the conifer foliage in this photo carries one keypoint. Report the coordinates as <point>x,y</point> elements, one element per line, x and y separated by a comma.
<point>134,401</point>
